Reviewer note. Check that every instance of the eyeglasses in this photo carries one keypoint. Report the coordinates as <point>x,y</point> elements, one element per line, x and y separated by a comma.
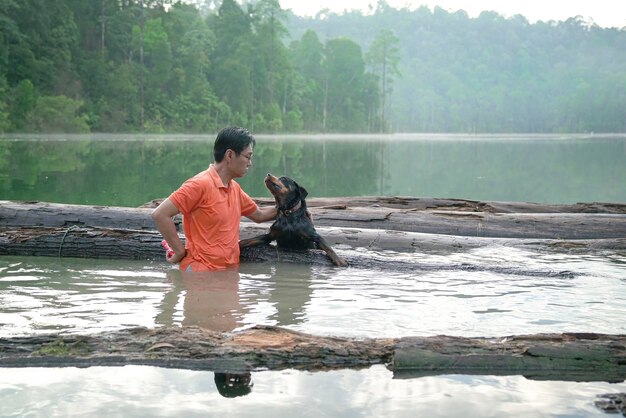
<point>248,157</point>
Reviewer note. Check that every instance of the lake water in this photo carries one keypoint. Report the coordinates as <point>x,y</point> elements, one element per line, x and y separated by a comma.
<point>530,293</point>
<point>131,170</point>
<point>488,291</point>
<point>136,391</point>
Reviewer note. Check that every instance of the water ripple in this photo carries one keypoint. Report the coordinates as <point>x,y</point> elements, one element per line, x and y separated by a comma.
<point>484,292</point>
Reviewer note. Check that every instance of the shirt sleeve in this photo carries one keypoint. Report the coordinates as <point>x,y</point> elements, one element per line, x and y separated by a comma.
<point>188,196</point>
<point>247,204</point>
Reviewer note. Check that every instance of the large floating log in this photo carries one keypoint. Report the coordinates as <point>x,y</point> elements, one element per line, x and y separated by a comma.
<point>195,348</point>
<point>567,356</point>
<point>472,219</point>
<point>64,216</point>
<point>83,242</point>
<point>108,243</point>
<point>461,205</point>
<point>122,233</point>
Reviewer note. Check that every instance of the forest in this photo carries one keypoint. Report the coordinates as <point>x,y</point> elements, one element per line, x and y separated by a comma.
<point>164,66</point>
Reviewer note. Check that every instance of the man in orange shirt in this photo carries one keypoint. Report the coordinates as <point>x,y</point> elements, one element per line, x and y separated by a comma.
<point>212,204</point>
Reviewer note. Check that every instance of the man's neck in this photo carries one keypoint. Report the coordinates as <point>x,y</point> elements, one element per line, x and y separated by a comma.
<point>222,171</point>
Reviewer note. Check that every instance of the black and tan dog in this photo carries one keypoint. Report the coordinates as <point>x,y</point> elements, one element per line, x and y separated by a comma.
<point>293,227</point>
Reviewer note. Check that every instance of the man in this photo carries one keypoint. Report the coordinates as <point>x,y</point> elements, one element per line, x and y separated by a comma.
<point>212,204</point>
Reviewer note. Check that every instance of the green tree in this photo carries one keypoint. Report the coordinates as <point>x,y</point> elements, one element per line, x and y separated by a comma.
<point>194,104</point>
<point>308,58</point>
<point>22,104</point>
<point>58,114</point>
<point>4,111</point>
<point>384,56</point>
<point>50,37</point>
<point>230,75</point>
<point>10,35</point>
<point>268,18</point>
<point>344,108</point>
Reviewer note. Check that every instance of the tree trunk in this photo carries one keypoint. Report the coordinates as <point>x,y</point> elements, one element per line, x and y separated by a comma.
<point>433,216</point>
<point>570,356</point>
<point>48,229</point>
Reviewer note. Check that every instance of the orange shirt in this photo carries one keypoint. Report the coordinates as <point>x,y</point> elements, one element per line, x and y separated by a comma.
<point>211,214</point>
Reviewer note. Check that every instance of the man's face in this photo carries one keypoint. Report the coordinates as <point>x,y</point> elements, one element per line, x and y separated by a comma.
<point>241,163</point>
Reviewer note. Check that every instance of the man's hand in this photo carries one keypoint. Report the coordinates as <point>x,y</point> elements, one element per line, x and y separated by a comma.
<point>175,258</point>
<point>162,217</point>
<point>170,255</point>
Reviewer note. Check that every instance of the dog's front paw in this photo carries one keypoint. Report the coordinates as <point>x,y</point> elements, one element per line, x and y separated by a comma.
<point>340,262</point>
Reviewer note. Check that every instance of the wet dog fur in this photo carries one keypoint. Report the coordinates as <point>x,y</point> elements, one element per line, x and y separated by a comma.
<point>293,227</point>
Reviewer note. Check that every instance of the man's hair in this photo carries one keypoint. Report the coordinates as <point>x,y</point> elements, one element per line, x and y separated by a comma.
<point>234,138</point>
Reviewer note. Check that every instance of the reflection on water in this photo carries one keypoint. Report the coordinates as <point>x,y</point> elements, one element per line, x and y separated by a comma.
<point>489,291</point>
<point>129,170</point>
<point>210,299</point>
<point>139,391</point>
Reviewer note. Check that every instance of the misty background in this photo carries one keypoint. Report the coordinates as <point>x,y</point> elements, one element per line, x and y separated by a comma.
<point>192,67</point>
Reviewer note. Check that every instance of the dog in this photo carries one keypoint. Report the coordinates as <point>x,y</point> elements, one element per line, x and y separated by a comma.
<point>293,227</point>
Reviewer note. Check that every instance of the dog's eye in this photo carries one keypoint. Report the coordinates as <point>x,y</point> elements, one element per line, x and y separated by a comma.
<point>276,186</point>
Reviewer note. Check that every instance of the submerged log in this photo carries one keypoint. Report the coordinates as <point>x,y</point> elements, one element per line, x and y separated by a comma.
<point>108,243</point>
<point>612,403</point>
<point>568,356</point>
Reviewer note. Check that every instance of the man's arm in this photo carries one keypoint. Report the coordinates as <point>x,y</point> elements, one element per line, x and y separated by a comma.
<point>162,217</point>
<point>263,214</point>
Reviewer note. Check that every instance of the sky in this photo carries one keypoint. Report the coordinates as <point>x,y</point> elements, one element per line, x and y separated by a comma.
<point>605,13</point>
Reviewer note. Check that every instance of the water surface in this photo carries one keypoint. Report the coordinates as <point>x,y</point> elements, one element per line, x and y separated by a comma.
<point>125,170</point>
<point>489,291</point>
<point>139,391</point>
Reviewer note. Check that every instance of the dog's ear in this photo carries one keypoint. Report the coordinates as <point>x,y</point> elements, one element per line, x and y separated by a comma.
<point>302,190</point>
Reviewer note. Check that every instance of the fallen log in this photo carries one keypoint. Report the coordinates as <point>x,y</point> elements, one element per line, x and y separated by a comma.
<point>460,205</point>
<point>261,347</point>
<point>108,243</point>
<point>45,214</point>
<point>46,229</point>
<point>567,356</point>
<point>607,222</point>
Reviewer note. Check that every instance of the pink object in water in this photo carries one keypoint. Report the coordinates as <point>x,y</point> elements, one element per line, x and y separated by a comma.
<point>168,251</point>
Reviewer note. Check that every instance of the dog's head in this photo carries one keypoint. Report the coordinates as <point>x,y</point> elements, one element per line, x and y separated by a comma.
<point>286,192</point>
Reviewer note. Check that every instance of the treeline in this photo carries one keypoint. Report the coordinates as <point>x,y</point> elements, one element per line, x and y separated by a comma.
<point>156,66</point>
<point>494,74</point>
<point>195,66</point>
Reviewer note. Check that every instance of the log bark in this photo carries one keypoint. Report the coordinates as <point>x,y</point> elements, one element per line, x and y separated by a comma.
<point>46,229</point>
<point>567,356</point>
<point>433,216</point>
<point>58,215</point>
<point>107,243</point>
<point>462,205</point>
